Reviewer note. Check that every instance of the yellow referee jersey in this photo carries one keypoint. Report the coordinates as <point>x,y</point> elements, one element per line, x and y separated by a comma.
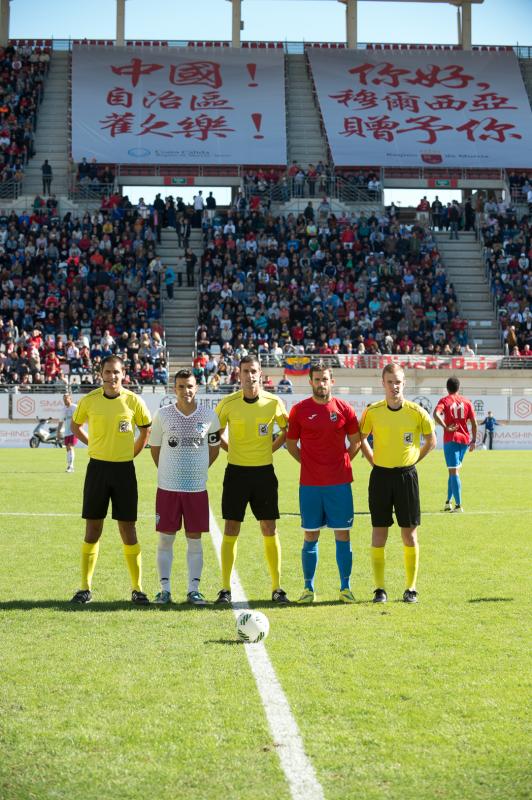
<point>396,434</point>
<point>111,422</point>
<point>251,427</point>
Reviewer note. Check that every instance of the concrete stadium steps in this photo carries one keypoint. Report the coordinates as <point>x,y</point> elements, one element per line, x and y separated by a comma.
<point>465,267</point>
<point>305,141</point>
<point>51,136</point>
<point>180,315</point>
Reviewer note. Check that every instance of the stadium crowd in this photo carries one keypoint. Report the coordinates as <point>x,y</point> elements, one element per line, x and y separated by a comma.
<point>75,290</point>
<point>508,254</point>
<point>22,73</point>
<point>323,284</point>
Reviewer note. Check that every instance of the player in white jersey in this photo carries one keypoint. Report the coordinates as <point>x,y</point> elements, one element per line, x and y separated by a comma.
<point>69,439</point>
<point>185,441</point>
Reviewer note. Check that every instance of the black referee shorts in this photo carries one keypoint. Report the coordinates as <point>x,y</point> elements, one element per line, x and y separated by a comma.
<point>395,489</point>
<point>254,485</point>
<point>114,481</point>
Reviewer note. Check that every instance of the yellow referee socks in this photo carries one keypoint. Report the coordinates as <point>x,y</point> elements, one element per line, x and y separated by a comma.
<point>377,562</point>
<point>89,556</point>
<point>228,554</point>
<point>411,556</point>
<point>272,551</point>
<point>134,565</point>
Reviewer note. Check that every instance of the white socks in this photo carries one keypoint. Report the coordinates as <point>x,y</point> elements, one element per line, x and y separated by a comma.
<point>165,556</point>
<point>70,459</point>
<point>195,563</point>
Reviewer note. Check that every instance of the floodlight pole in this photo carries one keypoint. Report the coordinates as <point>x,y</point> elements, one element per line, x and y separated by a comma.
<point>4,22</point>
<point>351,24</point>
<point>120,23</point>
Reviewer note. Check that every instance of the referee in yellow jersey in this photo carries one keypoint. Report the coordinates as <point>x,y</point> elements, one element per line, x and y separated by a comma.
<point>396,425</point>
<point>111,413</point>
<point>249,415</point>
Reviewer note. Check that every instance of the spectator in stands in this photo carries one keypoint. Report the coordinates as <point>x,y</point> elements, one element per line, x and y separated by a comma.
<point>285,386</point>
<point>453,219</point>
<point>47,176</point>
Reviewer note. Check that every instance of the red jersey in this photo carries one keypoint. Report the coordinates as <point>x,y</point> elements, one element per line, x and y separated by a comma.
<point>456,410</point>
<point>321,430</point>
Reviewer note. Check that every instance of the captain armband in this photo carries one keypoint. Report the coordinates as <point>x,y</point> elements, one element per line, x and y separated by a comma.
<point>214,438</point>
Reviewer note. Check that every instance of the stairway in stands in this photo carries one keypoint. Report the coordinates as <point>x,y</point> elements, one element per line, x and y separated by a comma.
<point>51,136</point>
<point>180,315</point>
<point>306,143</point>
<point>465,267</point>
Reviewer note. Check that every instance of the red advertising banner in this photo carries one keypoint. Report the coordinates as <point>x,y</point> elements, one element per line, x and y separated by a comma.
<point>448,108</point>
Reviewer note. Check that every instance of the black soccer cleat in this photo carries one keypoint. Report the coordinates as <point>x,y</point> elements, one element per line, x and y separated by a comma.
<point>279,597</point>
<point>410,596</point>
<point>139,598</point>
<point>224,598</point>
<point>82,597</point>
<point>380,596</point>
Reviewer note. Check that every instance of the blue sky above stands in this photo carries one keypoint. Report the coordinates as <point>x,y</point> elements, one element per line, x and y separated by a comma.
<point>494,22</point>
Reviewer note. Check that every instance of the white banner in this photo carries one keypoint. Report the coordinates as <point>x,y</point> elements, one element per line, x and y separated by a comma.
<point>16,434</point>
<point>4,406</point>
<point>521,409</point>
<point>497,404</point>
<point>37,406</point>
<point>178,106</point>
<point>447,108</point>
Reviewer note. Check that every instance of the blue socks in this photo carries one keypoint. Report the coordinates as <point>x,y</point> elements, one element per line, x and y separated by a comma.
<point>309,559</point>
<point>344,559</point>
<point>457,490</point>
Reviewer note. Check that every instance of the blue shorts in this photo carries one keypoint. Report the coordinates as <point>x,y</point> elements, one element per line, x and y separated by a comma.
<point>326,507</point>
<point>454,453</point>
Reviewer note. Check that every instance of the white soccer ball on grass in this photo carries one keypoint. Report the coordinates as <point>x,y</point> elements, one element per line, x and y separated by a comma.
<point>252,626</point>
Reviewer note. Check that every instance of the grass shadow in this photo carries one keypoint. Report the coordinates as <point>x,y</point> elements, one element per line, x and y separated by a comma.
<point>491,600</point>
<point>223,641</point>
<point>95,607</point>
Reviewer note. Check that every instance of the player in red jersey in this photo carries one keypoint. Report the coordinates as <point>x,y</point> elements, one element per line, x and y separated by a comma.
<point>321,424</point>
<point>453,413</point>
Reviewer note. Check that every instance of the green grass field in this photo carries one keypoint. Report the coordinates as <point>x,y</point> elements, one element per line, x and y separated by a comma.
<point>110,702</point>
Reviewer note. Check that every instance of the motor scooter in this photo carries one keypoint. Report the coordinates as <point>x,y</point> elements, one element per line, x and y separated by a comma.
<point>46,434</point>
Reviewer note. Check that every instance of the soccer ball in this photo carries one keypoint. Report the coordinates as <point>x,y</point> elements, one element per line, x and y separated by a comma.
<point>252,626</point>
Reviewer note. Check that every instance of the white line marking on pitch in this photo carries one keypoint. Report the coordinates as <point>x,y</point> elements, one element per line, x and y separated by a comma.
<point>299,772</point>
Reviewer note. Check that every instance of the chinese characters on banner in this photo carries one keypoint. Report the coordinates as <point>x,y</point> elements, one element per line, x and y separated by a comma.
<point>455,109</point>
<point>175,105</point>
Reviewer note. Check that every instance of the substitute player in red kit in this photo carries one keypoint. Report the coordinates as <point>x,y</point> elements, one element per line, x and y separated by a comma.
<point>321,424</point>
<point>453,413</point>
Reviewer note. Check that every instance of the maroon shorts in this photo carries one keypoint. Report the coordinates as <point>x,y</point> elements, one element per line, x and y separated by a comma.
<point>174,508</point>
<point>70,441</point>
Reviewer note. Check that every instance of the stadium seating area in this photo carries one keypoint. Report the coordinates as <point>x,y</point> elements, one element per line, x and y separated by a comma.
<point>22,72</point>
<point>508,253</point>
<point>76,290</point>
<point>321,284</point>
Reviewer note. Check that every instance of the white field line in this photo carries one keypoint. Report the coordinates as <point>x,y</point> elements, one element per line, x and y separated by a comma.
<point>295,764</point>
<point>151,516</point>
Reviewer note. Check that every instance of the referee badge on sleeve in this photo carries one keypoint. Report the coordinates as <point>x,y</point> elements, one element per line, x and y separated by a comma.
<point>408,438</point>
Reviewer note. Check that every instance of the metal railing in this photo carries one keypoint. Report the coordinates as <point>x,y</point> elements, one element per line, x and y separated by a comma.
<point>334,187</point>
<point>10,190</point>
<point>521,51</point>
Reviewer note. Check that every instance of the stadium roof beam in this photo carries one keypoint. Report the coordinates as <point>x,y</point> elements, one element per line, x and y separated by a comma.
<point>120,22</point>
<point>464,19</point>
<point>4,22</point>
